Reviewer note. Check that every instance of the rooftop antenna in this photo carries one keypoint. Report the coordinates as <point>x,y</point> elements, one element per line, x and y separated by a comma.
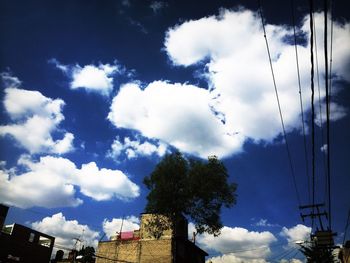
<point>121,227</point>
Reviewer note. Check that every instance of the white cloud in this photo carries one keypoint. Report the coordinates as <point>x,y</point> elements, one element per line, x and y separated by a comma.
<point>35,117</point>
<point>10,81</point>
<point>90,77</point>
<point>264,223</point>
<point>177,114</point>
<point>237,243</point>
<point>111,227</point>
<point>241,102</point>
<point>53,182</point>
<point>104,184</point>
<point>66,231</point>
<point>231,258</point>
<point>135,148</point>
<point>336,111</point>
<point>293,260</point>
<point>296,233</point>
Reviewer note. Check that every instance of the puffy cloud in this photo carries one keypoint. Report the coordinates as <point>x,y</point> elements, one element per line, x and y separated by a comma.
<point>177,114</point>
<point>293,260</point>
<point>296,233</point>
<point>240,103</point>
<point>135,148</point>
<point>90,77</point>
<point>237,243</point>
<point>66,231</point>
<point>35,117</point>
<point>111,227</point>
<point>231,258</point>
<point>104,184</point>
<point>53,182</point>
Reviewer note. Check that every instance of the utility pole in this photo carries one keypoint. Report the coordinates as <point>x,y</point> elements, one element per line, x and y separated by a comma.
<point>322,241</point>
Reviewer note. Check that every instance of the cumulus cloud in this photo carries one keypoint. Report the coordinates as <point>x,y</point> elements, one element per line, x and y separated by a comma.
<point>34,119</point>
<point>54,182</point>
<point>66,231</point>
<point>293,260</point>
<point>237,243</point>
<point>296,233</point>
<point>111,227</point>
<point>95,78</point>
<point>231,258</point>
<point>240,103</point>
<point>135,148</point>
<point>178,114</point>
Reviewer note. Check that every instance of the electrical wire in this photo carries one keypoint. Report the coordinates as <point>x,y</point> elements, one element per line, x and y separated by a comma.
<point>279,105</point>
<point>296,253</point>
<point>328,114</point>
<point>301,103</point>
<point>346,227</point>
<point>283,254</point>
<point>312,107</point>
<point>320,114</point>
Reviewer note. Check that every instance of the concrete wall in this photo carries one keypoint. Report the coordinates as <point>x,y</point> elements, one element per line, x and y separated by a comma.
<point>156,251</point>
<point>117,250</point>
<point>148,251</point>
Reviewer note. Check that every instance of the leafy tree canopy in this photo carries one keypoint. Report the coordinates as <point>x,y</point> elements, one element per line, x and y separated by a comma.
<point>193,188</point>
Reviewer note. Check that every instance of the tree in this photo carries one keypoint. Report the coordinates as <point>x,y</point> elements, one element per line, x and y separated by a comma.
<point>315,254</point>
<point>192,188</point>
<point>88,255</point>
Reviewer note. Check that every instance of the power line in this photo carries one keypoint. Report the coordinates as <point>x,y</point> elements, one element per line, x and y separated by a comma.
<point>301,102</point>
<point>320,113</point>
<point>346,227</point>
<point>284,254</point>
<point>279,105</point>
<point>312,105</point>
<point>328,113</point>
<point>296,253</point>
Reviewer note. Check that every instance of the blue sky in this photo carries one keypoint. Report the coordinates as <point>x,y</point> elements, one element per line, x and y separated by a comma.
<point>94,93</point>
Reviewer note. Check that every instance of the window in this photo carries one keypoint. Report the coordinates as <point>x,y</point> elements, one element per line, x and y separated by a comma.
<point>44,241</point>
<point>31,237</point>
<point>8,229</point>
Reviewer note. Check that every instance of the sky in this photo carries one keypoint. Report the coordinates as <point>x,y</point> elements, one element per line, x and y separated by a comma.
<point>95,93</point>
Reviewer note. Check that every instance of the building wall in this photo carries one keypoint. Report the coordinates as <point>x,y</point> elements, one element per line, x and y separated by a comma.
<point>156,251</point>
<point>117,249</point>
<point>24,243</point>
<point>344,255</point>
<point>149,249</point>
<point>3,213</point>
<point>143,251</point>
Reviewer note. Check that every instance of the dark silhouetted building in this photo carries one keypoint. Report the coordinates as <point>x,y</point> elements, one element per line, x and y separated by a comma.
<point>22,244</point>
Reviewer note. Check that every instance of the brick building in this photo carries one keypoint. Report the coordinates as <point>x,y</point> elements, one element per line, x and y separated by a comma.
<point>141,246</point>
